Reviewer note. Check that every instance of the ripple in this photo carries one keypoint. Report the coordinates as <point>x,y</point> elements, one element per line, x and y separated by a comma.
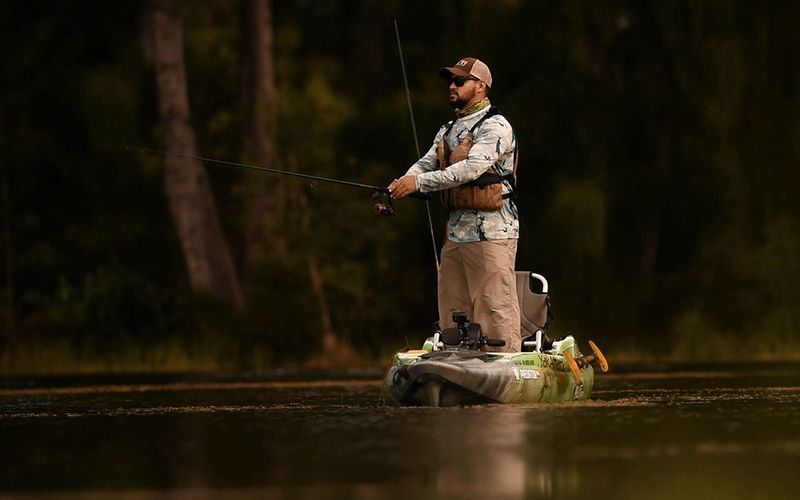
<point>136,388</point>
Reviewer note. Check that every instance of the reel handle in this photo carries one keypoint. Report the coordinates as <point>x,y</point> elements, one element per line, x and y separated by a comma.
<point>382,209</point>
<point>383,204</point>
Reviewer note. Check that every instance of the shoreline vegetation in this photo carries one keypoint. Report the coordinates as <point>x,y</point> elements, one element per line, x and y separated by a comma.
<point>658,180</point>
<point>59,359</point>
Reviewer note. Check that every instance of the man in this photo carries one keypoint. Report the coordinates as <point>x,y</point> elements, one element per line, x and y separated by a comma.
<point>472,161</point>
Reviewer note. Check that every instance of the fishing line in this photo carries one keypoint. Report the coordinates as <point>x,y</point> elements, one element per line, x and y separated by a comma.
<point>313,178</point>
<point>416,140</point>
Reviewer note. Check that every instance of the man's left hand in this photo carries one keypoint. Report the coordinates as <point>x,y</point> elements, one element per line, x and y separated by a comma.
<point>402,187</point>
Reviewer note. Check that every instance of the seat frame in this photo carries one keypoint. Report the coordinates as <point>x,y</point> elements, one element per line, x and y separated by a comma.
<point>534,310</point>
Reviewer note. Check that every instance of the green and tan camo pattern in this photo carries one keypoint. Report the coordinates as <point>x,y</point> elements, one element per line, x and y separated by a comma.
<point>494,147</point>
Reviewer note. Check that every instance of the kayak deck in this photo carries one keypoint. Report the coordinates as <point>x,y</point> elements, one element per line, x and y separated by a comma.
<point>461,377</point>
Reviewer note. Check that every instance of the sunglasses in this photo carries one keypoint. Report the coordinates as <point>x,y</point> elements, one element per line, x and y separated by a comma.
<point>459,81</point>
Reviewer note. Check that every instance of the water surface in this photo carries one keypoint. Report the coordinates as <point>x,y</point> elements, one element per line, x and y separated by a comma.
<point>724,433</point>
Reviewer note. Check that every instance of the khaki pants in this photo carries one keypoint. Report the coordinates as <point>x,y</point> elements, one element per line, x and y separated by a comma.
<point>478,278</point>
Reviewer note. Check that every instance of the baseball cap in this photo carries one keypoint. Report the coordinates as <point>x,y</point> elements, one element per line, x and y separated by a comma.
<point>469,66</point>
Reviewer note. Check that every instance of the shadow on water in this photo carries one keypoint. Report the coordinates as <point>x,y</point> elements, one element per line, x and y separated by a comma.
<point>712,433</point>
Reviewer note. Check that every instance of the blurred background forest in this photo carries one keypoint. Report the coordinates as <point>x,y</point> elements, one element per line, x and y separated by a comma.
<point>658,180</point>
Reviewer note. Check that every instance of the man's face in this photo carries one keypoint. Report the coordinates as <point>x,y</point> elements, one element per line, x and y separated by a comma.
<point>463,94</point>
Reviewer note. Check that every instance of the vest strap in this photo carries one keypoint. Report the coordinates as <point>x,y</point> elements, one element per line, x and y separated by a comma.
<point>486,179</point>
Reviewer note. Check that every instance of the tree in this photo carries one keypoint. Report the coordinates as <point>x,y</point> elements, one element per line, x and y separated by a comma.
<point>266,198</point>
<point>8,339</point>
<point>191,200</point>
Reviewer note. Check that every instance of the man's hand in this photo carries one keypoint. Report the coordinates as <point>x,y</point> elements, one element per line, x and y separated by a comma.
<point>402,187</point>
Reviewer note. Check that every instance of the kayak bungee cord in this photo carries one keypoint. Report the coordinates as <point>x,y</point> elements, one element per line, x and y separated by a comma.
<point>416,142</point>
<point>383,202</point>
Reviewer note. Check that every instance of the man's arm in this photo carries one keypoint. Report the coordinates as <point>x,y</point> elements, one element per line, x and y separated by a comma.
<point>427,163</point>
<point>492,140</point>
<point>402,187</point>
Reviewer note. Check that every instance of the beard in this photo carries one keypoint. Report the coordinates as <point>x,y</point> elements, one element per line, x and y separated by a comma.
<point>457,102</point>
<point>460,99</point>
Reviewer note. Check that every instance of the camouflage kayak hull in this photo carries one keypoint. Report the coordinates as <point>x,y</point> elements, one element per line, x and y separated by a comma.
<point>454,377</point>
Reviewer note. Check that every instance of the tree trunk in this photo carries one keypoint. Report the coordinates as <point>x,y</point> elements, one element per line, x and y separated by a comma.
<point>330,342</point>
<point>7,340</point>
<point>649,259</point>
<point>264,196</point>
<point>191,200</point>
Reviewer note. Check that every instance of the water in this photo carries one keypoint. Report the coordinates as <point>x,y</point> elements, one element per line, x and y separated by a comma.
<point>701,434</point>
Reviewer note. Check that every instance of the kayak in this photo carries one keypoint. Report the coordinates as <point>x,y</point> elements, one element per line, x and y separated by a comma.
<point>466,377</point>
<point>453,368</point>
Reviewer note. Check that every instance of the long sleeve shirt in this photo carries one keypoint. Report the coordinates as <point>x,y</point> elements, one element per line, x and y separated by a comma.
<point>494,148</point>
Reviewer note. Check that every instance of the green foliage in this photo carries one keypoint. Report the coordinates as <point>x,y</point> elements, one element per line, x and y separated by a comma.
<point>658,184</point>
<point>578,221</point>
<point>110,308</point>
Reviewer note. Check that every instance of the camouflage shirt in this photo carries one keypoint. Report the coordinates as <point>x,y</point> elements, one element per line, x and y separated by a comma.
<point>494,146</point>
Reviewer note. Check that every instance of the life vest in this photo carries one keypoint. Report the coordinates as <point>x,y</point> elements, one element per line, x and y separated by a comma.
<point>484,193</point>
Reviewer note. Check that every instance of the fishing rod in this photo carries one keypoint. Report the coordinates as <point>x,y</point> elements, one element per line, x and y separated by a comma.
<point>381,196</point>
<point>416,142</point>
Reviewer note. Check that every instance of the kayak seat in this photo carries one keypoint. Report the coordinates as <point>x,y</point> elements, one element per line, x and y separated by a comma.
<point>534,310</point>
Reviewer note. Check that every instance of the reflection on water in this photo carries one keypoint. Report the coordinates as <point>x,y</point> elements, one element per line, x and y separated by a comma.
<point>690,435</point>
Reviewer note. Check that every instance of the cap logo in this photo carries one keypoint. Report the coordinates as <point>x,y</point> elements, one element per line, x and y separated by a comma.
<point>462,62</point>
